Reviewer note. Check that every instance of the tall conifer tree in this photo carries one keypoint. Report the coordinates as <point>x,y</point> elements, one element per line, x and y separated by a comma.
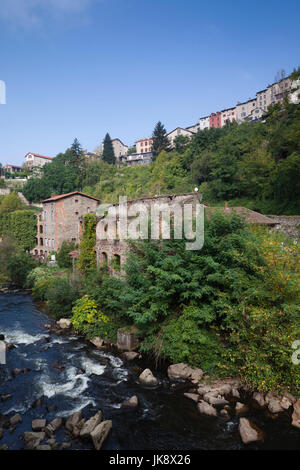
<point>108,154</point>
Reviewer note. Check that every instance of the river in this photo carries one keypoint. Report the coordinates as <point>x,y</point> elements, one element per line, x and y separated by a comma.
<point>164,419</point>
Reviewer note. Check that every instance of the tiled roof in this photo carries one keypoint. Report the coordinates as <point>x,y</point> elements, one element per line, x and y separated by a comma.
<point>62,196</point>
<point>38,155</point>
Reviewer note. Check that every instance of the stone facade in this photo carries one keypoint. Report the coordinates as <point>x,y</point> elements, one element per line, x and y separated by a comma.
<point>61,220</point>
<point>112,253</point>
<point>177,132</point>
<point>33,160</point>
<point>288,224</point>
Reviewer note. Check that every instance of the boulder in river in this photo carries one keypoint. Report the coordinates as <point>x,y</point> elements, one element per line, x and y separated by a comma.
<point>98,342</point>
<point>100,433</point>
<point>64,323</point>
<point>131,403</point>
<point>15,419</point>
<point>258,400</point>
<point>131,355</point>
<point>206,409</point>
<point>249,432</point>
<point>296,414</point>
<point>6,397</point>
<point>73,420</point>
<point>241,408</point>
<point>53,426</point>
<point>38,424</point>
<point>274,406</point>
<point>90,424</point>
<point>192,396</point>
<point>183,371</point>
<point>33,439</point>
<point>147,378</point>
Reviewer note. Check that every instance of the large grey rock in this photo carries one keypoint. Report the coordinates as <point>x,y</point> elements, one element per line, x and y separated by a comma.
<point>131,355</point>
<point>100,433</point>
<point>15,419</point>
<point>274,406</point>
<point>38,424</point>
<point>64,323</point>
<point>206,409</point>
<point>258,400</point>
<point>131,403</point>
<point>33,439</point>
<point>192,396</point>
<point>183,371</point>
<point>218,401</point>
<point>147,378</point>
<point>53,426</point>
<point>249,432</point>
<point>98,342</point>
<point>296,414</point>
<point>90,424</point>
<point>285,403</point>
<point>241,408</point>
<point>73,420</point>
<point>43,447</point>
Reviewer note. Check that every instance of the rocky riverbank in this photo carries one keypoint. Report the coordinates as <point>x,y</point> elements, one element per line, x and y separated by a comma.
<point>225,398</point>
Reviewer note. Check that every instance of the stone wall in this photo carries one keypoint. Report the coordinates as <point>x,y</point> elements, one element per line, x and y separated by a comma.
<point>113,252</point>
<point>290,225</point>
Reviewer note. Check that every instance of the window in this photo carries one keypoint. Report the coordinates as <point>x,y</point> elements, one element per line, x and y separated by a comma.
<point>41,229</point>
<point>89,210</point>
<point>116,263</point>
<point>76,200</point>
<point>104,258</point>
<point>74,240</point>
<point>41,242</point>
<point>76,213</point>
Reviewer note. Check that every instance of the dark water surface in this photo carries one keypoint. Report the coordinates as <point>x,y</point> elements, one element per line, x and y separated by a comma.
<point>164,419</point>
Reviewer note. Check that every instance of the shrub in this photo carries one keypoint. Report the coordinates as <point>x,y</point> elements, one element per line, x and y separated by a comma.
<point>60,297</point>
<point>63,258</point>
<point>19,266</point>
<point>86,315</point>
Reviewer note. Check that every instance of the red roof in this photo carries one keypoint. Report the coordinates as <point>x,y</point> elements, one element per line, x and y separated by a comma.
<point>38,155</point>
<point>62,196</point>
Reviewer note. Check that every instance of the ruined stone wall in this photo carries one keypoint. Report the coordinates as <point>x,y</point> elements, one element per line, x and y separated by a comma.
<point>107,250</point>
<point>290,225</point>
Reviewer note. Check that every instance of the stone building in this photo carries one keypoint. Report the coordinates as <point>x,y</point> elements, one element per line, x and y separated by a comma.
<point>60,220</point>
<point>227,115</point>
<point>204,123</point>
<point>12,168</point>
<point>177,132</point>
<point>120,149</point>
<point>35,160</point>
<point>112,252</point>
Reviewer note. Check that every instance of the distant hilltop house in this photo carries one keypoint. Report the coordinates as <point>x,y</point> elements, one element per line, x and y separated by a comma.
<point>61,220</point>
<point>12,168</point>
<point>35,160</point>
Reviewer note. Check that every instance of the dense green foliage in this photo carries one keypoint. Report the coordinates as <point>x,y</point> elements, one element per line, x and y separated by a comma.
<point>108,154</point>
<point>231,308</point>
<point>63,258</point>
<point>19,266</point>
<point>87,256</point>
<point>160,139</point>
<point>22,225</point>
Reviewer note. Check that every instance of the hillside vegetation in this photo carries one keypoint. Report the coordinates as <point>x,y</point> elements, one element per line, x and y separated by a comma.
<point>253,164</point>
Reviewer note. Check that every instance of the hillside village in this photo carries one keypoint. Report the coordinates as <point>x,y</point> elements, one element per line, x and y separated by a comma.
<point>252,110</point>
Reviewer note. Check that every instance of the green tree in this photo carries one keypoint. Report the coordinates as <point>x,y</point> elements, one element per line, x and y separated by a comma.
<point>19,266</point>
<point>11,202</point>
<point>63,258</point>
<point>160,139</point>
<point>108,154</point>
<point>87,256</point>
<point>22,224</point>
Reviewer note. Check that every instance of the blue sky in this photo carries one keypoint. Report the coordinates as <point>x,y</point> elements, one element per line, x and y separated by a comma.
<point>81,68</point>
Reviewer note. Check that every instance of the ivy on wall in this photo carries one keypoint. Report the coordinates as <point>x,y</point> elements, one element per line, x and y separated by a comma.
<point>87,254</point>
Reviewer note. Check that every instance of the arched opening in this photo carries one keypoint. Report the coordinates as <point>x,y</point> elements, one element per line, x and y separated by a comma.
<point>116,264</point>
<point>104,258</point>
